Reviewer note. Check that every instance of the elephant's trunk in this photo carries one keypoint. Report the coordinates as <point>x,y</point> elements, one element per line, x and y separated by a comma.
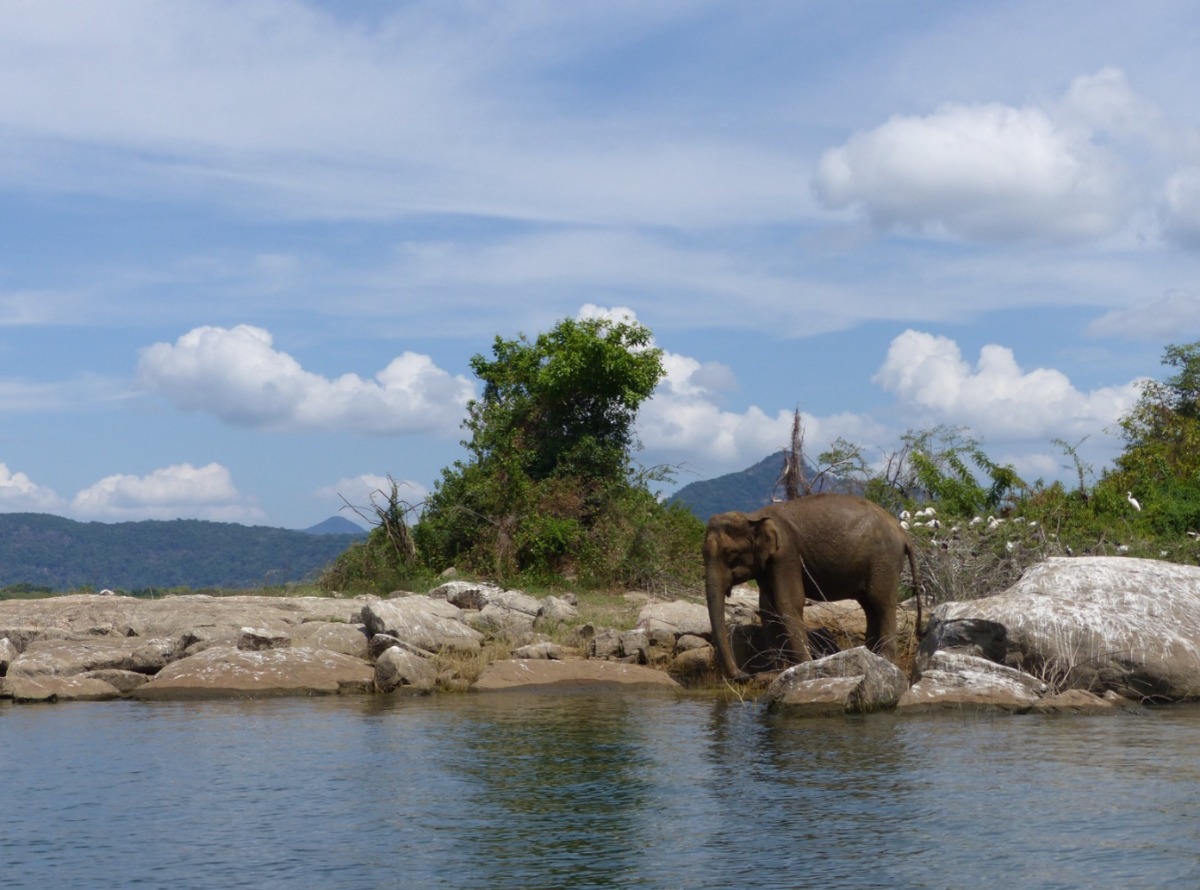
<point>716,587</point>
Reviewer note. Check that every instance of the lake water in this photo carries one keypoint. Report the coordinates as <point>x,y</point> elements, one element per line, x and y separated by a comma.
<point>589,791</point>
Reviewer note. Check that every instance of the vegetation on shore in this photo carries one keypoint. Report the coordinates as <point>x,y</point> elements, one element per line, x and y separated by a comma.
<point>549,493</point>
<point>550,496</point>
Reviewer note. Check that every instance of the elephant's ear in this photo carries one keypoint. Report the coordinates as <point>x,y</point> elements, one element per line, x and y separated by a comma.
<point>766,539</point>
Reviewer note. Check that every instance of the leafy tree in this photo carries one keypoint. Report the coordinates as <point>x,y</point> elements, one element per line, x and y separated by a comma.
<point>941,465</point>
<point>1161,461</point>
<point>549,456</point>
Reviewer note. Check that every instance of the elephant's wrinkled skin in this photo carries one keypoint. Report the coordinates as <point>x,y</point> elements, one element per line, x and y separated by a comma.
<point>823,547</point>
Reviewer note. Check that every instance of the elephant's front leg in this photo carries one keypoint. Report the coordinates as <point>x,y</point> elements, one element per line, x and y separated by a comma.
<point>782,613</point>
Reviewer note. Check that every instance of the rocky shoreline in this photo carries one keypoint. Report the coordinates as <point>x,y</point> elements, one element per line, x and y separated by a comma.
<point>1086,634</point>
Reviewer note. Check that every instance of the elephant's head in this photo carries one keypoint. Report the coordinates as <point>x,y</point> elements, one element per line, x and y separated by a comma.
<point>737,547</point>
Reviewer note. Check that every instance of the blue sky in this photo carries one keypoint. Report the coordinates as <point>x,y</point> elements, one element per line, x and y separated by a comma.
<point>248,249</point>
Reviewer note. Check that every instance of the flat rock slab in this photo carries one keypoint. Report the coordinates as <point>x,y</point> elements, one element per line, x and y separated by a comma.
<point>57,689</point>
<point>533,674</point>
<point>124,616</point>
<point>67,657</point>
<point>227,672</point>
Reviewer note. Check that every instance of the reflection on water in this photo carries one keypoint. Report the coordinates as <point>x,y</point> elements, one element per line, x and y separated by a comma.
<point>582,790</point>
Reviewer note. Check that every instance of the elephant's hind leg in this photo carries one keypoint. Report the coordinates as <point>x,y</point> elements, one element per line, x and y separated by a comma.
<point>881,629</point>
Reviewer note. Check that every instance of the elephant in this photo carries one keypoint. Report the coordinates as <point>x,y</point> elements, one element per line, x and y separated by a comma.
<point>821,547</point>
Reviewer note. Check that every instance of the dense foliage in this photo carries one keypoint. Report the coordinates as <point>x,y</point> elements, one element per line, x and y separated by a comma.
<point>549,489</point>
<point>43,552</point>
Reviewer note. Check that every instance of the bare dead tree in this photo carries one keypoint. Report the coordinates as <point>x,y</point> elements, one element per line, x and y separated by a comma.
<point>391,515</point>
<point>793,477</point>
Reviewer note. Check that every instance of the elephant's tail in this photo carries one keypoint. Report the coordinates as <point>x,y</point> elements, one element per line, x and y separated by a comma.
<point>916,582</point>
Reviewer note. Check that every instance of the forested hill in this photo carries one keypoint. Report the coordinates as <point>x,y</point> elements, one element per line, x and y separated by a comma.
<point>41,550</point>
<point>746,490</point>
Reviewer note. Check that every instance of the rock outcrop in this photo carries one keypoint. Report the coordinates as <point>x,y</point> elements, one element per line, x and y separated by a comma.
<point>1100,624</point>
<point>1073,635</point>
<point>92,647</point>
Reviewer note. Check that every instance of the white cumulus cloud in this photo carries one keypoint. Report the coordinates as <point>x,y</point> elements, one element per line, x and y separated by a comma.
<point>179,491</point>
<point>685,420</point>
<point>237,375</point>
<point>991,171</point>
<point>19,493</point>
<point>995,398</point>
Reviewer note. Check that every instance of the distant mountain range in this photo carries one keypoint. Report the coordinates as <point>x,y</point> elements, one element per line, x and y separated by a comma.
<point>746,490</point>
<point>44,551</point>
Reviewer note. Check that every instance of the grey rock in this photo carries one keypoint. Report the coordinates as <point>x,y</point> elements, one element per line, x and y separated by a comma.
<point>554,610</point>
<point>856,681</point>
<point>693,664</point>
<point>227,672</point>
<point>634,644</point>
<point>401,668</point>
<point>472,595</point>
<point>336,636</point>
<point>515,601</point>
<point>429,624</point>
<point>498,619</point>
<point>1131,626</point>
<point>691,641</point>
<point>679,618</point>
<point>952,681</point>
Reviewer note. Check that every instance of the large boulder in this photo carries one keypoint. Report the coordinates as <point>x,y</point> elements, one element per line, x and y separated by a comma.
<point>856,681</point>
<point>1131,626</point>
<point>421,621</point>
<point>227,672</point>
